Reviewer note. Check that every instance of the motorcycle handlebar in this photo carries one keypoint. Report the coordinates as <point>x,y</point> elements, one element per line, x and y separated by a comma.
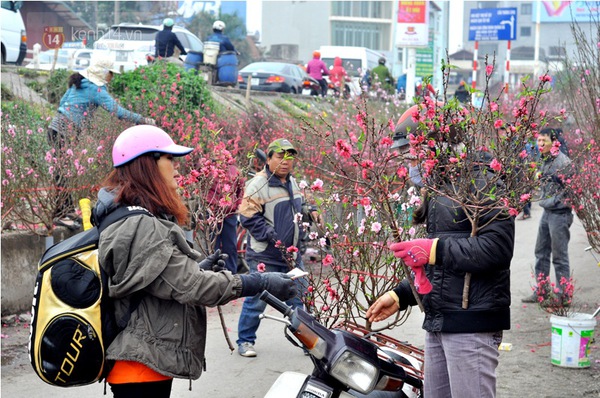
<point>276,303</point>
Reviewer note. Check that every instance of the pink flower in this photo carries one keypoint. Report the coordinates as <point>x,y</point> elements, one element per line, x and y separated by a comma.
<point>496,165</point>
<point>292,249</point>
<point>513,212</point>
<point>261,267</point>
<point>317,185</point>
<point>328,260</point>
<point>453,160</point>
<point>402,172</point>
<point>498,123</point>
<point>343,148</point>
<point>545,78</point>
<point>376,227</point>
<point>489,69</point>
<point>525,197</point>
<point>386,141</point>
<point>365,201</point>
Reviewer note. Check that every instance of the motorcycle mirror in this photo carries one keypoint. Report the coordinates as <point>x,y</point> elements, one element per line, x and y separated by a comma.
<point>261,155</point>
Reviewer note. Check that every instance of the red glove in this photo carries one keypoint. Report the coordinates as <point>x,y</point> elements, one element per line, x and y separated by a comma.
<point>422,284</point>
<point>415,254</point>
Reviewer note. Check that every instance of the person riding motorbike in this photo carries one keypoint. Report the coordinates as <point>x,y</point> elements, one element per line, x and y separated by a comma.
<point>338,75</point>
<point>218,36</point>
<point>316,69</point>
<point>166,41</point>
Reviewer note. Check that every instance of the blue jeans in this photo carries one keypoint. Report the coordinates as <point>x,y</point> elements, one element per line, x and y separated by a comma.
<point>227,242</point>
<point>253,306</point>
<point>461,365</point>
<point>553,242</point>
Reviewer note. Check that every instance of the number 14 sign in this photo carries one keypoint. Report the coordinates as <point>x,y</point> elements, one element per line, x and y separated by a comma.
<point>53,36</point>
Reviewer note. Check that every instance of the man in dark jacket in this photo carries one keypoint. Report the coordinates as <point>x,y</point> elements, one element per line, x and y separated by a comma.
<point>218,36</point>
<point>461,344</point>
<point>166,41</point>
<point>271,202</point>
<point>553,232</point>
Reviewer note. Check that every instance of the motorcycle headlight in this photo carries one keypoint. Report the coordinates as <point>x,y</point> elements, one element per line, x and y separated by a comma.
<point>355,372</point>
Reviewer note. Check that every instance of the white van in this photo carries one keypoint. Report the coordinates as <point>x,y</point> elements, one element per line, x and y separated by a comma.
<point>356,61</point>
<point>14,38</point>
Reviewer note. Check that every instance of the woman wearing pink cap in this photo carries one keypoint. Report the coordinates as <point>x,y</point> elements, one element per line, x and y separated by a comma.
<point>155,275</point>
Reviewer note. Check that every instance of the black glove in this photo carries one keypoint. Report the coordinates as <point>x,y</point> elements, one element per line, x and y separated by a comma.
<point>278,284</point>
<point>215,262</point>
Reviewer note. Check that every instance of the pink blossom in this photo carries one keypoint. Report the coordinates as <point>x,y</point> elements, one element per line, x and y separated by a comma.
<point>525,197</point>
<point>402,172</point>
<point>513,212</point>
<point>302,184</point>
<point>386,141</point>
<point>367,164</point>
<point>365,201</point>
<point>545,78</point>
<point>496,165</point>
<point>493,106</point>
<point>317,186</point>
<point>523,154</point>
<point>261,267</point>
<point>489,69</point>
<point>498,123</point>
<point>328,260</point>
<point>343,148</point>
<point>376,227</point>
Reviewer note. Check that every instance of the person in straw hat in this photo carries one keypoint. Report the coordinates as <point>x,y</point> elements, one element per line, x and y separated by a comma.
<point>86,92</point>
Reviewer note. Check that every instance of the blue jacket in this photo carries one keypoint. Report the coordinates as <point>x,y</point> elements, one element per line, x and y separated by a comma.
<point>268,214</point>
<point>224,42</point>
<point>76,102</point>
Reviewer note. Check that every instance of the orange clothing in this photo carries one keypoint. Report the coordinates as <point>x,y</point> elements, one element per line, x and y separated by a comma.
<point>133,372</point>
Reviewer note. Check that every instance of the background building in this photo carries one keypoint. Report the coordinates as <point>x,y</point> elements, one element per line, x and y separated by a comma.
<point>307,25</point>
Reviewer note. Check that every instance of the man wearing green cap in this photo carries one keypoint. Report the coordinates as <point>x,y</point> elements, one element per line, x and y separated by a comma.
<point>270,211</point>
<point>166,41</point>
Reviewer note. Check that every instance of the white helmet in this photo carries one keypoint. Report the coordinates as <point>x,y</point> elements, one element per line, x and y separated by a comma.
<point>219,25</point>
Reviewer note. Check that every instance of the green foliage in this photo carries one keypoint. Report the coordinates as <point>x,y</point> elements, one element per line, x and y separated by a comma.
<point>162,84</point>
<point>28,73</point>
<point>57,85</point>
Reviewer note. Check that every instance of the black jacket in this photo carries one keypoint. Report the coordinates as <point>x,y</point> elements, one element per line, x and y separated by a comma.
<point>165,44</point>
<point>487,257</point>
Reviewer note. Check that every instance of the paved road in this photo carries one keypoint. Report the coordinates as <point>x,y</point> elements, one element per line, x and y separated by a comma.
<point>523,372</point>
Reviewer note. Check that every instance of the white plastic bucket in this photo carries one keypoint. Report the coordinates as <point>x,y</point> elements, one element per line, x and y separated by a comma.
<point>571,338</point>
<point>211,52</point>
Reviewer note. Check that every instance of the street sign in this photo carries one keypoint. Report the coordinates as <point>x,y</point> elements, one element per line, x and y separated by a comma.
<point>492,24</point>
<point>53,36</point>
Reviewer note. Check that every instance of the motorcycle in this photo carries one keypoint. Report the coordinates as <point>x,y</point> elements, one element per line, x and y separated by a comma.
<point>348,360</point>
<point>335,91</point>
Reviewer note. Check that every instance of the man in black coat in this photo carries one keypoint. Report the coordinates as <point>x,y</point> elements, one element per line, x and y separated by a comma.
<point>166,41</point>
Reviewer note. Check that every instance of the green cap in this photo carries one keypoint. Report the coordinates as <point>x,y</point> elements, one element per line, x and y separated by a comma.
<point>281,145</point>
<point>168,22</point>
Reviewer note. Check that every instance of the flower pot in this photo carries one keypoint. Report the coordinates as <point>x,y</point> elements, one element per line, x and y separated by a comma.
<point>571,337</point>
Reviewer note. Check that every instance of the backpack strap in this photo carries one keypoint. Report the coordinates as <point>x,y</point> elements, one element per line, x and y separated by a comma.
<point>116,215</point>
<point>122,212</point>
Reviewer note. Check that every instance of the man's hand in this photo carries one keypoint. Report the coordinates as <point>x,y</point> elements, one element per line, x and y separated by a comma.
<point>384,307</point>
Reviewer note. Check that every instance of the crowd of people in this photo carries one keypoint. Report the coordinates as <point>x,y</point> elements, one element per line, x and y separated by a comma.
<point>149,258</point>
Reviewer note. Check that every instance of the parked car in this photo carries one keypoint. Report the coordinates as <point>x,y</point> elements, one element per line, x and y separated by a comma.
<point>68,58</point>
<point>14,38</point>
<point>128,44</point>
<point>274,76</point>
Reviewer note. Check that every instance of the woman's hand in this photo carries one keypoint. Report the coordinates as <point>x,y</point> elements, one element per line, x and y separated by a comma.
<point>384,307</point>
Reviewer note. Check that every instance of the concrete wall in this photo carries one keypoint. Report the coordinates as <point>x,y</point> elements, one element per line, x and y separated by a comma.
<point>21,252</point>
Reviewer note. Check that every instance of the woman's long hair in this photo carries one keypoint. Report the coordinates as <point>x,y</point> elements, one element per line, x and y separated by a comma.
<point>75,80</point>
<point>139,183</point>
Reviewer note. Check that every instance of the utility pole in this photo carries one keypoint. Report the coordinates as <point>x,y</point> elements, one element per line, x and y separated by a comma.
<point>536,53</point>
<point>117,12</point>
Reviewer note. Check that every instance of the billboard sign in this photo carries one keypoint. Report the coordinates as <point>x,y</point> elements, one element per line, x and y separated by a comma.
<point>493,24</point>
<point>565,11</point>
<point>412,28</point>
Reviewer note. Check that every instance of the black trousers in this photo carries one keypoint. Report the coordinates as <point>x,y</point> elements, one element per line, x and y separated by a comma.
<point>155,389</point>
